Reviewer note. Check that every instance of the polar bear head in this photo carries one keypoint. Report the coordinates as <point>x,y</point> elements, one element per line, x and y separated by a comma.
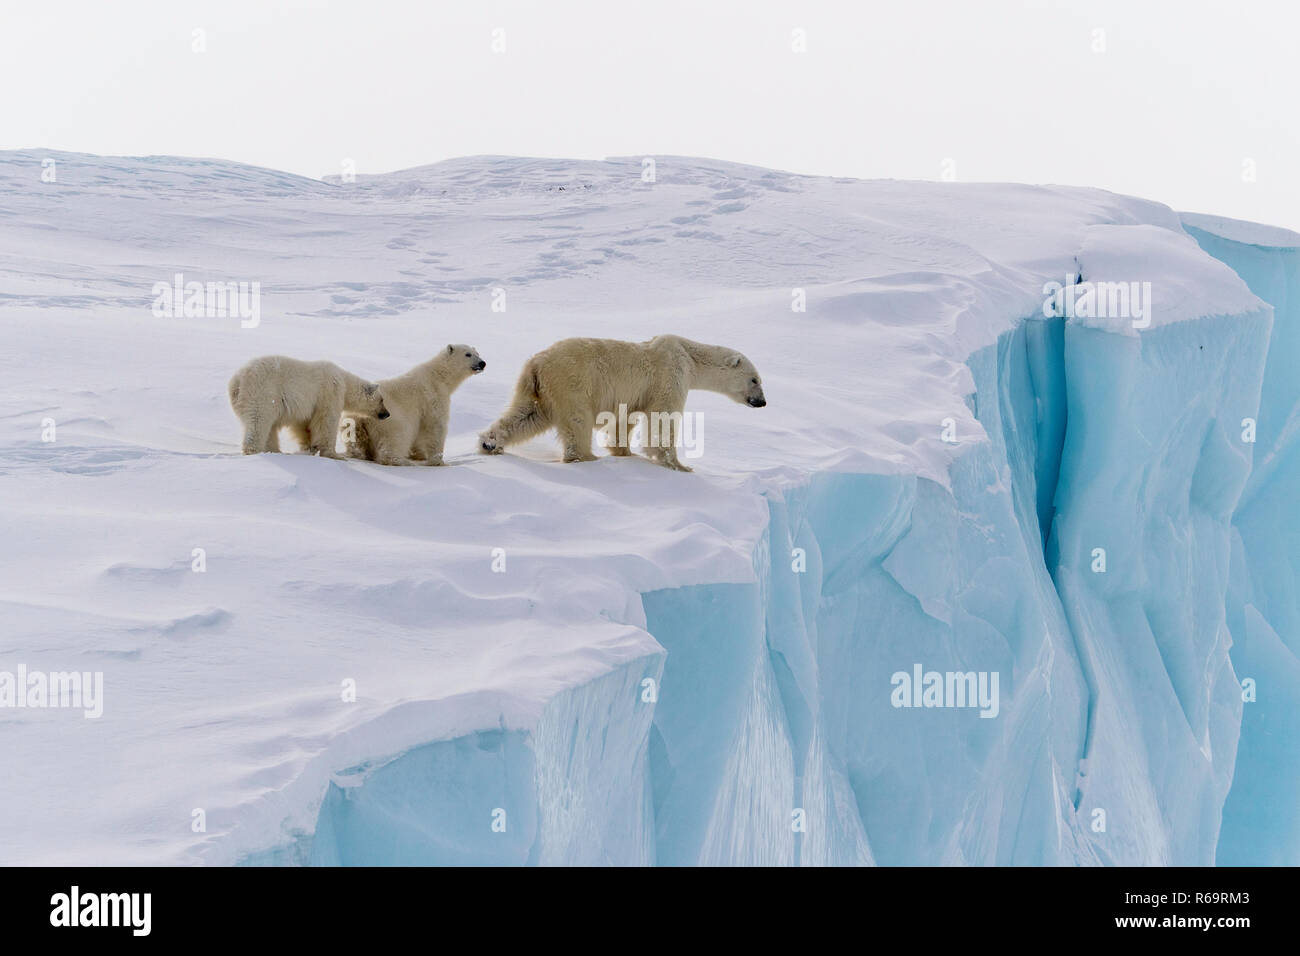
<point>372,401</point>
<point>465,356</point>
<point>743,383</point>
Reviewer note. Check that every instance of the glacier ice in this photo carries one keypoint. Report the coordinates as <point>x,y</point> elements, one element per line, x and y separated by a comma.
<point>1261,825</point>
<point>572,792</point>
<point>905,571</point>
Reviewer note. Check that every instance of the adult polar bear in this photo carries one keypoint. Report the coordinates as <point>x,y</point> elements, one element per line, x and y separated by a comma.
<point>574,382</point>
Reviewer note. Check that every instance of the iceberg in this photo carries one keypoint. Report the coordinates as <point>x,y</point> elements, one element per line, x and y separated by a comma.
<point>1004,574</point>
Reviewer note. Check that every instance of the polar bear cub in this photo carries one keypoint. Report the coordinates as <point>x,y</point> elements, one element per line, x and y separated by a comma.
<point>571,384</point>
<point>420,404</point>
<point>274,392</point>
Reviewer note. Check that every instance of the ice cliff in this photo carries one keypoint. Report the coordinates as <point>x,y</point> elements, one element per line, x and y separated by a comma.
<point>1260,822</point>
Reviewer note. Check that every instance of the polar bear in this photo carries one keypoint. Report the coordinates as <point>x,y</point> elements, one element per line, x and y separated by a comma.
<point>274,392</point>
<point>576,382</point>
<point>420,403</point>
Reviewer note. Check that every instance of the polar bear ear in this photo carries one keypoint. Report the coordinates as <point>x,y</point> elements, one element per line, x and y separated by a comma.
<point>370,388</point>
<point>732,360</point>
<point>451,350</point>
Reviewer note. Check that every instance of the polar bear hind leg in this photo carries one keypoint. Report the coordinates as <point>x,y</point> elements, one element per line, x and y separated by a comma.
<point>575,436</point>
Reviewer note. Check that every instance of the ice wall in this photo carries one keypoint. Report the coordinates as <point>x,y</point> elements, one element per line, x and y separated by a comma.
<point>1151,471</point>
<point>1119,709</point>
<point>1261,825</point>
<point>572,791</point>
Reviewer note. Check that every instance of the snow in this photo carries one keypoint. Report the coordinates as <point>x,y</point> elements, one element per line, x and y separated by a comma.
<point>1160,264</point>
<point>1244,233</point>
<point>648,680</point>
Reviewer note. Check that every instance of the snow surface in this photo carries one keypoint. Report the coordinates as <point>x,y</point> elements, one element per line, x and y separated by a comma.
<point>525,691</point>
<point>1245,233</point>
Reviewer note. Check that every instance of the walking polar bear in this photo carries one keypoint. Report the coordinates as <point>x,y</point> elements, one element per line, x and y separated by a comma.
<point>574,382</point>
<point>419,403</point>
<point>275,391</point>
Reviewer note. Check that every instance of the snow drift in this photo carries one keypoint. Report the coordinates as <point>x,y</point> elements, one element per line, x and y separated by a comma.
<point>515,661</point>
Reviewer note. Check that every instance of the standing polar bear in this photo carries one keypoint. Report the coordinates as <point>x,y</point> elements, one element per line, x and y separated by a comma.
<point>274,392</point>
<point>420,403</point>
<point>576,382</point>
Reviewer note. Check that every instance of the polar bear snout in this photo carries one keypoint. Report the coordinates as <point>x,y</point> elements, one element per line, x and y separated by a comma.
<point>758,402</point>
<point>475,363</point>
<point>382,414</point>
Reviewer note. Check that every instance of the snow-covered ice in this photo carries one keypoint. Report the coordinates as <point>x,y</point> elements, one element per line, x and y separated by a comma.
<point>650,679</point>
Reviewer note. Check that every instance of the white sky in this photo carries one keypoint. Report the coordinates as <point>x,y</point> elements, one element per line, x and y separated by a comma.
<point>1183,96</point>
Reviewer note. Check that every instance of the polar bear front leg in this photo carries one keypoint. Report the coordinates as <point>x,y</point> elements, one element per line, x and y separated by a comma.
<point>259,436</point>
<point>664,441</point>
<point>393,441</point>
<point>323,430</point>
<point>430,443</point>
<point>666,457</point>
<point>354,433</point>
<point>670,460</point>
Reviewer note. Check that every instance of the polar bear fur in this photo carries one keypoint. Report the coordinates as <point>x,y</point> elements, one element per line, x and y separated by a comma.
<point>274,392</point>
<point>570,384</point>
<point>419,403</point>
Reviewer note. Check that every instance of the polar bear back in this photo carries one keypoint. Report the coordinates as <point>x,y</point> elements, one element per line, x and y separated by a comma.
<point>600,374</point>
<point>293,386</point>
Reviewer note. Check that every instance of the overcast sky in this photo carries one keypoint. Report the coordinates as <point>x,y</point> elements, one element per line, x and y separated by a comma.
<point>1192,103</point>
